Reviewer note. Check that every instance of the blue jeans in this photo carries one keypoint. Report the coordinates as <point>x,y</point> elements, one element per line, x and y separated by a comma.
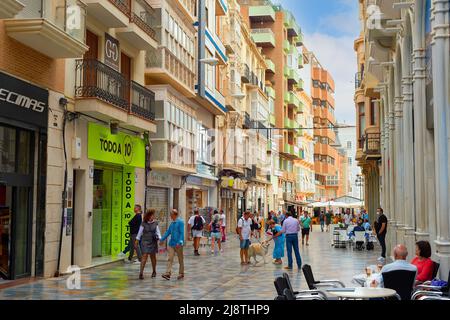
<point>322,224</point>
<point>292,242</point>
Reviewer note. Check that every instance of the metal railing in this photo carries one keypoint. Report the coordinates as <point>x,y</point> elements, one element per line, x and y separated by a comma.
<point>94,79</point>
<point>248,124</point>
<point>144,17</point>
<point>142,101</point>
<point>123,5</point>
<point>246,75</point>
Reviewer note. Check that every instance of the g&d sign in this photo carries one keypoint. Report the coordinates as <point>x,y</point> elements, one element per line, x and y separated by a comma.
<point>112,52</point>
<point>118,148</point>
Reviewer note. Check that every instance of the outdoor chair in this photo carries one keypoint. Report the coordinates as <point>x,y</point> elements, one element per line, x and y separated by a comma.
<point>402,281</point>
<point>302,292</point>
<point>435,269</point>
<point>426,289</point>
<point>281,283</point>
<point>359,240</point>
<point>314,284</point>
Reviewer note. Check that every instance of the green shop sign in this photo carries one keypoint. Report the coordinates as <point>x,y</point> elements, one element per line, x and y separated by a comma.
<point>117,148</point>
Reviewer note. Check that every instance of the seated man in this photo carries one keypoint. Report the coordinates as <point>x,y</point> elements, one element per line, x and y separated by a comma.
<point>359,227</point>
<point>400,263</point>
<point>366,225</point>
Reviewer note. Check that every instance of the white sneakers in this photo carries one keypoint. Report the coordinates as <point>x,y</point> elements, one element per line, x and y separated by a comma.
<point>121,255</point>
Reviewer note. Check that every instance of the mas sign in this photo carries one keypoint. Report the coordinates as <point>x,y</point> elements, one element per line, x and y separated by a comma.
<point>121,148</point>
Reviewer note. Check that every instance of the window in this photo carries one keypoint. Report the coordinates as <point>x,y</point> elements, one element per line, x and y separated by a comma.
<point>373,111</point>
<point>350,161</point>
<point>349,144</point>
<point>315,84</point>
<point>362,120</point>
<point>207,17</point>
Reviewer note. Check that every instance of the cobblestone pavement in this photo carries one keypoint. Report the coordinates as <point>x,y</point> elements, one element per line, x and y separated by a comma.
<point>209,277</point>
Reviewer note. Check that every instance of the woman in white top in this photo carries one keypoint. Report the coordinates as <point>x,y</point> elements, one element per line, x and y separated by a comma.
<point>150,234</point>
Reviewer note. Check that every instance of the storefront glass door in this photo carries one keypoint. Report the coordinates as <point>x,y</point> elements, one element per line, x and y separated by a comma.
<point>16,181</point>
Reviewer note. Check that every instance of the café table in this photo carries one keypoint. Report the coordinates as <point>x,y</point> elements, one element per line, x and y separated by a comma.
<point>362,278</point>
<point>361,293</point>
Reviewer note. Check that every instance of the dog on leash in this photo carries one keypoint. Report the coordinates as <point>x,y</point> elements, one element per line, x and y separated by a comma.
<point>258,249</point>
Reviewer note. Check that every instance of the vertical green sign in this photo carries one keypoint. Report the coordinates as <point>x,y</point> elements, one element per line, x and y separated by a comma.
<point>106,213</point>
<point>116,224</point>
<point>128,187</point>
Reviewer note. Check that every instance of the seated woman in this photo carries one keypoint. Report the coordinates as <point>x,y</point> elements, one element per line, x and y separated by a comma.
<point>423,262</point>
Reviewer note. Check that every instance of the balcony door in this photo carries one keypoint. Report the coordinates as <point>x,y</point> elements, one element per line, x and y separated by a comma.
<point>125,70</point>
<point>90,58</point>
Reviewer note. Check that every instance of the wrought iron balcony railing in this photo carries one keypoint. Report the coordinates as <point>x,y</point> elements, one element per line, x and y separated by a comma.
<point>372,144</point>
<point>94,79</point>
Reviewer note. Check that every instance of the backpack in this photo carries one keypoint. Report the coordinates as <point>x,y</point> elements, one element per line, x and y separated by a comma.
<point>198,223</point>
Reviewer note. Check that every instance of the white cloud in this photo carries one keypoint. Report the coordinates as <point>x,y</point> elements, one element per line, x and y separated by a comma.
<point>336,54</point>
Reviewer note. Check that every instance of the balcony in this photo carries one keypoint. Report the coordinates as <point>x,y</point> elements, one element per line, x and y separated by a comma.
<point>359,77</point>
<point>112,13</point>
<point>293,29</point>
<point>247,123</point>
<point>300,61</point>
<point>300,85</point>
<point>221,7</point>
<point>270,92</point>
<point>139,31</point>
<point>270,66</point>
<point>106,94</point>
<point>286,46</point>
<point>162,66</point>
<point>299,40</point>
<point>263,37</point>
<point>272,120</point>
<point>293,76</point>
<point>261,14</point>
<point>372,147</point>
<point>292,100</point>
<point>289,123</point>
<point>9,8</point>
<point>58,33</point>
<point>246,76</point>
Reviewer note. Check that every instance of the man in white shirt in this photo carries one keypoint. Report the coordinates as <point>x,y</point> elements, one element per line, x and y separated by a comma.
<point>223,228</point>
<point>196,224</point>
<point>400,263</point>
<point>244,227</point>
<point>347,219</point>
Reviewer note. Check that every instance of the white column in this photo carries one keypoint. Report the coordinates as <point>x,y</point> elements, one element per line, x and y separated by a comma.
<point>399,170</point>
<point>408,157</point>
<point>440,23</point>
<point>392,178</point>
<point>420,131</point>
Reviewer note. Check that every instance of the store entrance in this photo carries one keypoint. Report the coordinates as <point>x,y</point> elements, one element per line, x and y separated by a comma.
<point>16,198</point>
<point>107,211</point>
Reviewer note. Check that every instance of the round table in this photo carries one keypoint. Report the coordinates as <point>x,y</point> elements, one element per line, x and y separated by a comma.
<point>362,278</point>
<point>363,293</point>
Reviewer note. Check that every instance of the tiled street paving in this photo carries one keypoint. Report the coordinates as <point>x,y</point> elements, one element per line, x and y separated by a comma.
<point>207,277</point>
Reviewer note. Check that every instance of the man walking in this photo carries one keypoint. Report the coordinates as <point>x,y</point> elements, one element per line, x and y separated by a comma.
<point>244,229</point>
<point>291,227</point>
<point>328,217</point>
<point>223,228</point>
<point>134,225</point>
<point>381,230</point>
<point>322,220</point>
<point>306,223</point>
<point>176,242</point>
<point>196,224</point>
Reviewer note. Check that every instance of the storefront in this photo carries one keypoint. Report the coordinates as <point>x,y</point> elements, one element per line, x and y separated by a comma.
<point>232,199</point>
<point>116,157</point>
<point>200,193</point>
<point>23,142</point>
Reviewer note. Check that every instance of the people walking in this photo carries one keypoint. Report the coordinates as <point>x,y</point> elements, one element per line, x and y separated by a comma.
<point>176,242</point>
<point>290,228</point>
<point>278,239</point>
<point>196,224</point>
<point>134,225</point>
<point>216,235</point>
<point>223,229</point>
<point>380,227</point>
<point>258,225</point>
<point>305,221</point>
<point>328,217</point>
<point>149,235</point>
<point>244,231</point>
<point>322,220</point>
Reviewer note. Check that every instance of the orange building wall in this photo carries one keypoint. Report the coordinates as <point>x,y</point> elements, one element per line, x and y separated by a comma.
<point>30,65</point>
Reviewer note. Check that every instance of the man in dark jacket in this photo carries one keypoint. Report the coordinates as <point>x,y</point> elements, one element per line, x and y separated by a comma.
<point>135,224</point>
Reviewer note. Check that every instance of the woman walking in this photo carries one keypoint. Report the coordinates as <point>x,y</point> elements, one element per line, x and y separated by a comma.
<point>215,227</point>
<point>279,239</point>
<point>149,234</point>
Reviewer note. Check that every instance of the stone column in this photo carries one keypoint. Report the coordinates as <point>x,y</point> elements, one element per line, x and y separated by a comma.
<point>392,182</point>
<point>399,170</point>
<point>408,157</point>
<point>440,24</point>
<point>420,130</point>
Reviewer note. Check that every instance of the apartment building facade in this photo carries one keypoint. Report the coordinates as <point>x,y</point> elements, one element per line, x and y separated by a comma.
<point>405,54</point>
<point>277,33</point>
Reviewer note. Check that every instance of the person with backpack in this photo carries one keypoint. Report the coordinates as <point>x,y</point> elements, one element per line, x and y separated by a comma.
<point>215,227</point>
<point>196,224</point>
<point>148,234</point>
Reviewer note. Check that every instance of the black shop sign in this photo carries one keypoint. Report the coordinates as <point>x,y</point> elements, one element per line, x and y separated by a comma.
<point>22,101</point>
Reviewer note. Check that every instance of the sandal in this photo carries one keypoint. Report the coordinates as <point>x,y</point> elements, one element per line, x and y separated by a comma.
<point>154,275</point>
<point>180,277</point>
<point>166,276</point>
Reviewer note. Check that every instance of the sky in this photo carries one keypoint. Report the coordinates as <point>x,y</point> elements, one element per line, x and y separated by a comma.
<point>330,28</point>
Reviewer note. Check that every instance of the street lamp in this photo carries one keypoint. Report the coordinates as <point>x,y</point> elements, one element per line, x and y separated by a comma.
<point>359,183</point>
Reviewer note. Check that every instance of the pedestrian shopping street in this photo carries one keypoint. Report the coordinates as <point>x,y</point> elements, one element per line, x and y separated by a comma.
<point>207,277</point>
